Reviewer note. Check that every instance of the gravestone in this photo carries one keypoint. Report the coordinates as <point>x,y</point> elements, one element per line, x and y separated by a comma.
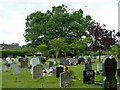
<point>99,67</point>
<point>51,64</point>
<point>81,60</point>
<point>118,74</point>
<point>34,62</point>
<point>16,69</point>
<point>109,70</point>
<point>63,61</point>
<point>20,59</point>
<point>88,66</point>
<point>64,79</point>
<point>58,71</point>
<point>71,61</point>
<point>89,60</point>
<point>24,63</point>
<point>12,65</point>
<point>88,76</point>
<point>37,72</point>
<point>4,67</point>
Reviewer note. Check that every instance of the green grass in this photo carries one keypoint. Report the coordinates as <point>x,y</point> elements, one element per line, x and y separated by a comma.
<point>24,79</point>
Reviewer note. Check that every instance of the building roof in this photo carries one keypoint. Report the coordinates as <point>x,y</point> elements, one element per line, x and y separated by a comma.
<point>8,46</point>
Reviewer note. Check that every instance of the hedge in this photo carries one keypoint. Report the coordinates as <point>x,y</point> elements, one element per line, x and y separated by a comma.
<point>6,53</point>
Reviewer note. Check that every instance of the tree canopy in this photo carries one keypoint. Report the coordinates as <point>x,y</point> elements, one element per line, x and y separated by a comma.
<point>60,22</point>
<point>102,39</point>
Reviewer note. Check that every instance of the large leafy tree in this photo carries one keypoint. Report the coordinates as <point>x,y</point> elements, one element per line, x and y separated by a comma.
<point>60,22</point>
<point>43,48</point>
<point>56,45</point>
<point>102,39</point>
<point>78,46</point>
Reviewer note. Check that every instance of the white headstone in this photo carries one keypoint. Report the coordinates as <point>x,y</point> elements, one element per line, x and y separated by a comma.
<point>16,60</point>
<point>12,65</point>
<point>99,67</point>
<point>71,61</point>
<point>4,67</point>
<point>8,60</point>
<point>34,62</point>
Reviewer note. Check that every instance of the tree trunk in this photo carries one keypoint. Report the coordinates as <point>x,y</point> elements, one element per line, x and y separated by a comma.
<point>100,52</point>
<point>65,54</point>
<point>57,54</point>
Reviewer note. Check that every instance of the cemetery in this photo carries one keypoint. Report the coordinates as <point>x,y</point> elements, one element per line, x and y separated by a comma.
<point>64,50</point>
<point>63,75</point>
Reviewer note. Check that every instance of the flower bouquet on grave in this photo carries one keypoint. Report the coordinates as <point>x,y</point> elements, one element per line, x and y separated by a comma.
<point>66,68</point>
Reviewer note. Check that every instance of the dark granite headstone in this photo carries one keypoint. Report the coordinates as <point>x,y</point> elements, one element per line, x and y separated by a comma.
<point>88,66</point>
<point>20,59</point>
<point>58,71</point>
<point>109,70</point>
<point>81,60</point>
<point>89,60</point>
<point>24,63</point>
<point>51,64</point>
<point>118,72</point>
<point>88,76</point>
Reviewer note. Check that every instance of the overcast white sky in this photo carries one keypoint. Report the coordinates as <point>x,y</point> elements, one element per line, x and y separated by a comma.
<point>14,12</point>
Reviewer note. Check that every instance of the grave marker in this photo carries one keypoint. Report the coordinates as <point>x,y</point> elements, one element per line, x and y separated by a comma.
<point>64,79</point>
<point>4,67</point>
<point>99,67</point>
<point>24,63</point>
<point>51,64</point>
<point>12,65</point>
<point>63,61</point>
<point>81,60</point>
<point>71,61</point>
<point>88,76</point>
<point>58,71</point>
<point>88,66</point>
<point>37,72</point>
<point>16,69</point>
<point>34,62</point>
<point>109,70</point>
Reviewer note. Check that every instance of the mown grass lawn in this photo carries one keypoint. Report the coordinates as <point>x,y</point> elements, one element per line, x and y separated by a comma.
<point>24,79</point>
